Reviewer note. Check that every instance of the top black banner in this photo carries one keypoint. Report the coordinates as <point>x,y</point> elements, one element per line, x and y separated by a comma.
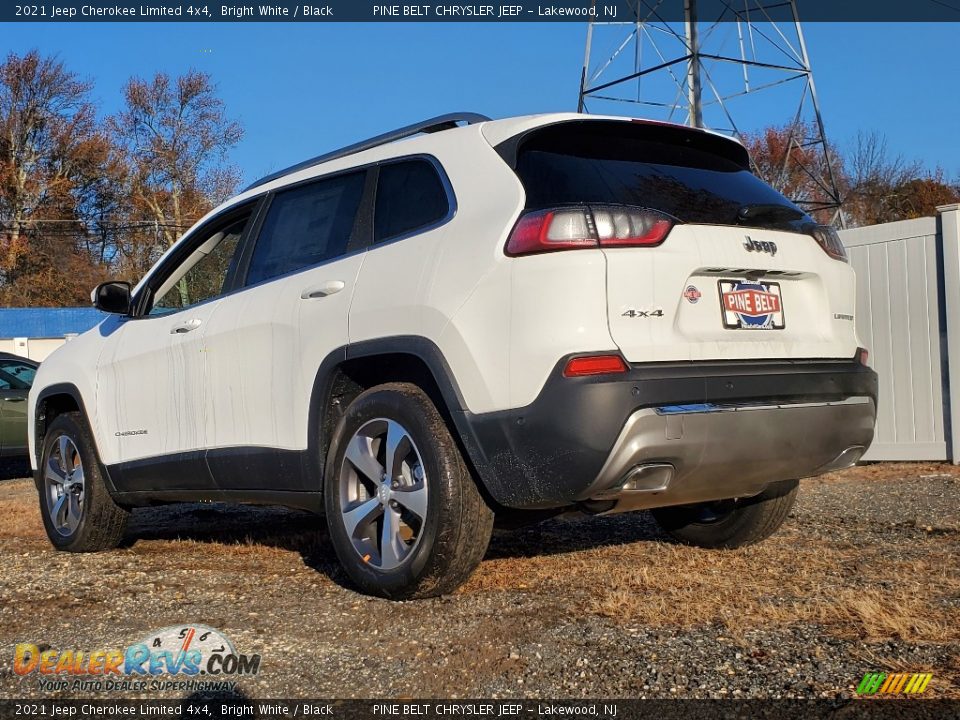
<point>708,11</point>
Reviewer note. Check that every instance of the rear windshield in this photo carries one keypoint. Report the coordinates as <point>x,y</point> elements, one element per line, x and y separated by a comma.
<point>693,176</point>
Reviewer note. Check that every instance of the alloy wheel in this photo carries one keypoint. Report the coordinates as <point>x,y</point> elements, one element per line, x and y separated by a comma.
<point>64,486</point>
<point>383,493</point>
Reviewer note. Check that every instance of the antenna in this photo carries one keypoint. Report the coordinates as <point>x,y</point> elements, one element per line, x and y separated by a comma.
<point>739,71</point>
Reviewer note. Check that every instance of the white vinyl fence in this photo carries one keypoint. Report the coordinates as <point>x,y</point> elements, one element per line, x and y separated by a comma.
<point>908,316</point>
<point>33,348</point>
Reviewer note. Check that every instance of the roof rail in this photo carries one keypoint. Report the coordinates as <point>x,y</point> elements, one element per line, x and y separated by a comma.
<point>441,122</point>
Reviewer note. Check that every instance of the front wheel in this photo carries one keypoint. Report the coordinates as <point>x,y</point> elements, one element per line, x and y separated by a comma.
<point>78,513</point>
<point>730,523</point>
<point>405,517</point>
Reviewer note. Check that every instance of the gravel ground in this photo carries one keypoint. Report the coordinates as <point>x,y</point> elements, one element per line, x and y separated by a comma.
<point>862,578</point>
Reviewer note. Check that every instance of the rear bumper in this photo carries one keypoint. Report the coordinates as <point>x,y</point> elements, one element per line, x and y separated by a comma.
<point>674,456</point>
<point>722,429</point>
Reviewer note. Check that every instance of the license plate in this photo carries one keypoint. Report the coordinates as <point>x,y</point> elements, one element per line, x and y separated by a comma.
<point>749,305</point>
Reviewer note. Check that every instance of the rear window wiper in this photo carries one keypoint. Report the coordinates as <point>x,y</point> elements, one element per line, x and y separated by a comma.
<point>771,211</point>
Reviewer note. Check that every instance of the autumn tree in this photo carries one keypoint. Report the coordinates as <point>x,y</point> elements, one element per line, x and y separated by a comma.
<point>884,187</point>
<point>175,135</point>
<point>782,156</point>
<point>53,155</point>
<point>921,196</point>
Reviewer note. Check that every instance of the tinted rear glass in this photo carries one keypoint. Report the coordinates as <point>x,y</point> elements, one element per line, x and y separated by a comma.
<point>410,196</point>
<point>692,176</point>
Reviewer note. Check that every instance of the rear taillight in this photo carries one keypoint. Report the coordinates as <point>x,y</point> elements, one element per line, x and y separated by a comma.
<point>827,238</point>
<point>570,228</point>
<point>594,365</point>
<point>863,357</point>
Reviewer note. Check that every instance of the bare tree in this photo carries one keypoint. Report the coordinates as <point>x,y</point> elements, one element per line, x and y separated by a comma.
<point>781,158</point>
<point>176,135</point>
<point>873,174</point>
<point>52,154</point>
<point>884,187</point>
<point>80,198</point>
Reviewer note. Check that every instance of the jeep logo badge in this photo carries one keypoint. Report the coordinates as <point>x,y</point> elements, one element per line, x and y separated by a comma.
<point>764,246</point>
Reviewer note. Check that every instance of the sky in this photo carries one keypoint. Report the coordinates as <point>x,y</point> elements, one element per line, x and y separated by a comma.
<point>302,89</point>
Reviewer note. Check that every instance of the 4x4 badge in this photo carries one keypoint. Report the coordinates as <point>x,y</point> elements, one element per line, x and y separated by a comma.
<point>763,246</point>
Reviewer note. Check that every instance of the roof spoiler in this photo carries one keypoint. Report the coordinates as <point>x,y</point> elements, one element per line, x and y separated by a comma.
<point>715,142</point>
<point>437,124</point>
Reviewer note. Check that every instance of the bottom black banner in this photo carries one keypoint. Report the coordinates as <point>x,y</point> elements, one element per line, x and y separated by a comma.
<point>195,708</point>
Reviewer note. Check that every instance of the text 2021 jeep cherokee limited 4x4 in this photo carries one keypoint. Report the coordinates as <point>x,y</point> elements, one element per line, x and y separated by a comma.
<point>465,317</point>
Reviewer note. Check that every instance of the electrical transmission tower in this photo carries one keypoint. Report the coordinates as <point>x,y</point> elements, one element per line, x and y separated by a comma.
<point>738,71</point>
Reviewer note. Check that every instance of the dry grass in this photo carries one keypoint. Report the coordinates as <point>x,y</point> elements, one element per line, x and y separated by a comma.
<point>901,613</point>
<point>852,592</point>
<point>20,512</point>
<point>907,587</point>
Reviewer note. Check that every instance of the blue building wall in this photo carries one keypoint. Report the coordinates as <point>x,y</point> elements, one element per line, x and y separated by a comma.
<point>47,322</point>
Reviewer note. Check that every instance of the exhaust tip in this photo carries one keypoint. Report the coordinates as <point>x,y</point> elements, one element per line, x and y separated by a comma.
<point>848,458</point>
<point>646,478</point>
<point>639,482</point>
<point>652,477</point>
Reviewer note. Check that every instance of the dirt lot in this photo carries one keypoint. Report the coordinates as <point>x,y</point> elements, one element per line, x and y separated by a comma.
<point>864,576</point>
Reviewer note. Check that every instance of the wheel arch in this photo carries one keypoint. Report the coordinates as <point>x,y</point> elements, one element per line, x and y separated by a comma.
<point>351,369</point>
<point>53,401</point>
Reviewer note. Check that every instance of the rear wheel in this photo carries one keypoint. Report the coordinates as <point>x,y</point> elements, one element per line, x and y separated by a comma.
<point>405,517</point>
<point>78,513</point>
<point>730,523</point>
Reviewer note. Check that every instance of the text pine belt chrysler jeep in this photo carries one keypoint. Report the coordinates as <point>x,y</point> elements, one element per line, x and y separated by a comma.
<point>467,318</point>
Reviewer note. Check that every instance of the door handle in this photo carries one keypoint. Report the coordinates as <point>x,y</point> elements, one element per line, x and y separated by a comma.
<point>186,327</point>
<point>14,399</point>
<point>319,291</point>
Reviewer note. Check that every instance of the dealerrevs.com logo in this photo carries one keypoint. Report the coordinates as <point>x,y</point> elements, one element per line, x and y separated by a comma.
<point>182,658</point>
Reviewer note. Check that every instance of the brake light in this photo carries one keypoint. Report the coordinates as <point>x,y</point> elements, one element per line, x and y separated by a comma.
<point>594,365</point>
<point>828,239</point>
<point>571,228</point>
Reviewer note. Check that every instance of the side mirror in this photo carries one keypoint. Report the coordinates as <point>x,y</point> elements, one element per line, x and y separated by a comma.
<point>112,297</point>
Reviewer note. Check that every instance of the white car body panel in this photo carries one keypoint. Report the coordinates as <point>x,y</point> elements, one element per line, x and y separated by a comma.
<point>263,348</point>
<point>74,363</point>
<point>815,288</point>
<point>150,387</point>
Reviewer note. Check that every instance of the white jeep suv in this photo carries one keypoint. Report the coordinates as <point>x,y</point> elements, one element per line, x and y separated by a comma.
<point>468,318</point>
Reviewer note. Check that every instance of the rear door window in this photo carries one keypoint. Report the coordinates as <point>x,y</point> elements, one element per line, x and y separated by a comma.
<point>411,196</point>
<point>306,225</point>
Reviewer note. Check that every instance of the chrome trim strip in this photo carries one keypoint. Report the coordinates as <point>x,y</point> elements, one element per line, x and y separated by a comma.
<point>700,408</point>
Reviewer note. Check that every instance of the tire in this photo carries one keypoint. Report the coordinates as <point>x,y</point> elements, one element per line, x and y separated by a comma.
<point>87,520</point>
<point>730,523</point>
<point>438,525</point>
